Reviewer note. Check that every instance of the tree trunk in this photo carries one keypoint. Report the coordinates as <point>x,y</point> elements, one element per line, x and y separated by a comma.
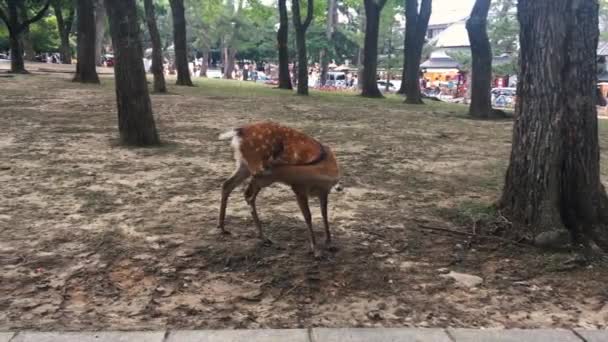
<point>416,26</point>
<point>85,67</point>
<point>135,119</point>
<point>553,180</point>
<point>332,19</point>
<point>205,63</point>
<point>301,28</point>
<point>64,27</point>
<point>179,41</point>
<point>100,29</point>
<point>17,62</point>
<point>302,62</point>
<point>481,53</point>
<point>282,41</point>
<point>157,53</point>
<point>370,49</point>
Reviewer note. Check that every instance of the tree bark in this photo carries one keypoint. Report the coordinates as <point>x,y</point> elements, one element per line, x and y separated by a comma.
<point>17,61</point>
<point>481,53</point>
<point>135,119</point>
<point>16,26</point>
<point>85,66</point>
<point>332,19</point>
<point>416,26</point>
<point>370,48</point>
<point>301,28</point>
<point>157,53</point>
<point>100,29</point>
<point>282,41</point>
<point>553,179</point>
<point>64,26</point>
<point>179,41</point>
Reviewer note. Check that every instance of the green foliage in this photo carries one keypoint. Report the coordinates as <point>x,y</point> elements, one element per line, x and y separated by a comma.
<point>44,35</point>
<point>503,28</point>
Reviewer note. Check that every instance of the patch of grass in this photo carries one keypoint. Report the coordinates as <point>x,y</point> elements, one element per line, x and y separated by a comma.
<point>469,212</point>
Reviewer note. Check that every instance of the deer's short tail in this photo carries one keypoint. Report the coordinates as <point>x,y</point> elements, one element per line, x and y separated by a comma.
<point>229,134</point>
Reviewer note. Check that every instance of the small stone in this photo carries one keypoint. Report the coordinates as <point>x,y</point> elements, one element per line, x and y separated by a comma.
<point>144,256</point>
<point>463,279</point>
<point>443,270</point>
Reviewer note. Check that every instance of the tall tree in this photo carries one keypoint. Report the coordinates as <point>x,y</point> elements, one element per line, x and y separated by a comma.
<point>370,48</point>
<point>100,29</point>
<point>330,28</point>
<point>553,179</point>
<point>85,66</point>
<point>16,26</point>
<point>64,26</point>
<point>179,41</point>
<point>416,24</point>
<point>282,41</point>
<point>481,54</point>
<point>135,119</point>
<point>301,28</point>
<point>157,52</point>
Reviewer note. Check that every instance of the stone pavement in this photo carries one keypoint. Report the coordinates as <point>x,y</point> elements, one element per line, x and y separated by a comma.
<point>316,335</point>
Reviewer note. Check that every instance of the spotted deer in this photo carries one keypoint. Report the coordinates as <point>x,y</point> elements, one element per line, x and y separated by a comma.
<point>266,153</point>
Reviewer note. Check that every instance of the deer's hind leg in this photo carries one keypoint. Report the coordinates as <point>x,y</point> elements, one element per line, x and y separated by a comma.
<point>251,194</point>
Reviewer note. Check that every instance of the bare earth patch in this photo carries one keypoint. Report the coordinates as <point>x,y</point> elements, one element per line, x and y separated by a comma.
<point>95,235</point>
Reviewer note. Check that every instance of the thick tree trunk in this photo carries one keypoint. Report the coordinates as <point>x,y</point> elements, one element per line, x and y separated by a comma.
<point>330,27</point>
<point>17,62</point>
<point>481,53</point>
<point>100,29</point>
<point>301,28</point>
<point>85,67</point>
<point>302,62</point>
<point>553,180</point>
<point>157,53</point>
<point>282,41</point>
<point>64,27</point>
<point>370,49</point>
<point>135,119</point>
<point>179,41</point>
<point>416,26</point>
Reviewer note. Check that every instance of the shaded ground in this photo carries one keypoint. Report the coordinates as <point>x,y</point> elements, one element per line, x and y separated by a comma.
<point>99,236</point>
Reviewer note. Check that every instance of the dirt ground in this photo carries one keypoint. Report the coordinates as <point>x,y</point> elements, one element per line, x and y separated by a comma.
<point>94,235</point>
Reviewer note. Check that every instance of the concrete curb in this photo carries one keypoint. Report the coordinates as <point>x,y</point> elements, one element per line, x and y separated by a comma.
<point>315,335</point>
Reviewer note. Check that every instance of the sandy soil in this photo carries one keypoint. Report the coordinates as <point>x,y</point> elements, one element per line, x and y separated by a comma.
<point>95,235</point>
